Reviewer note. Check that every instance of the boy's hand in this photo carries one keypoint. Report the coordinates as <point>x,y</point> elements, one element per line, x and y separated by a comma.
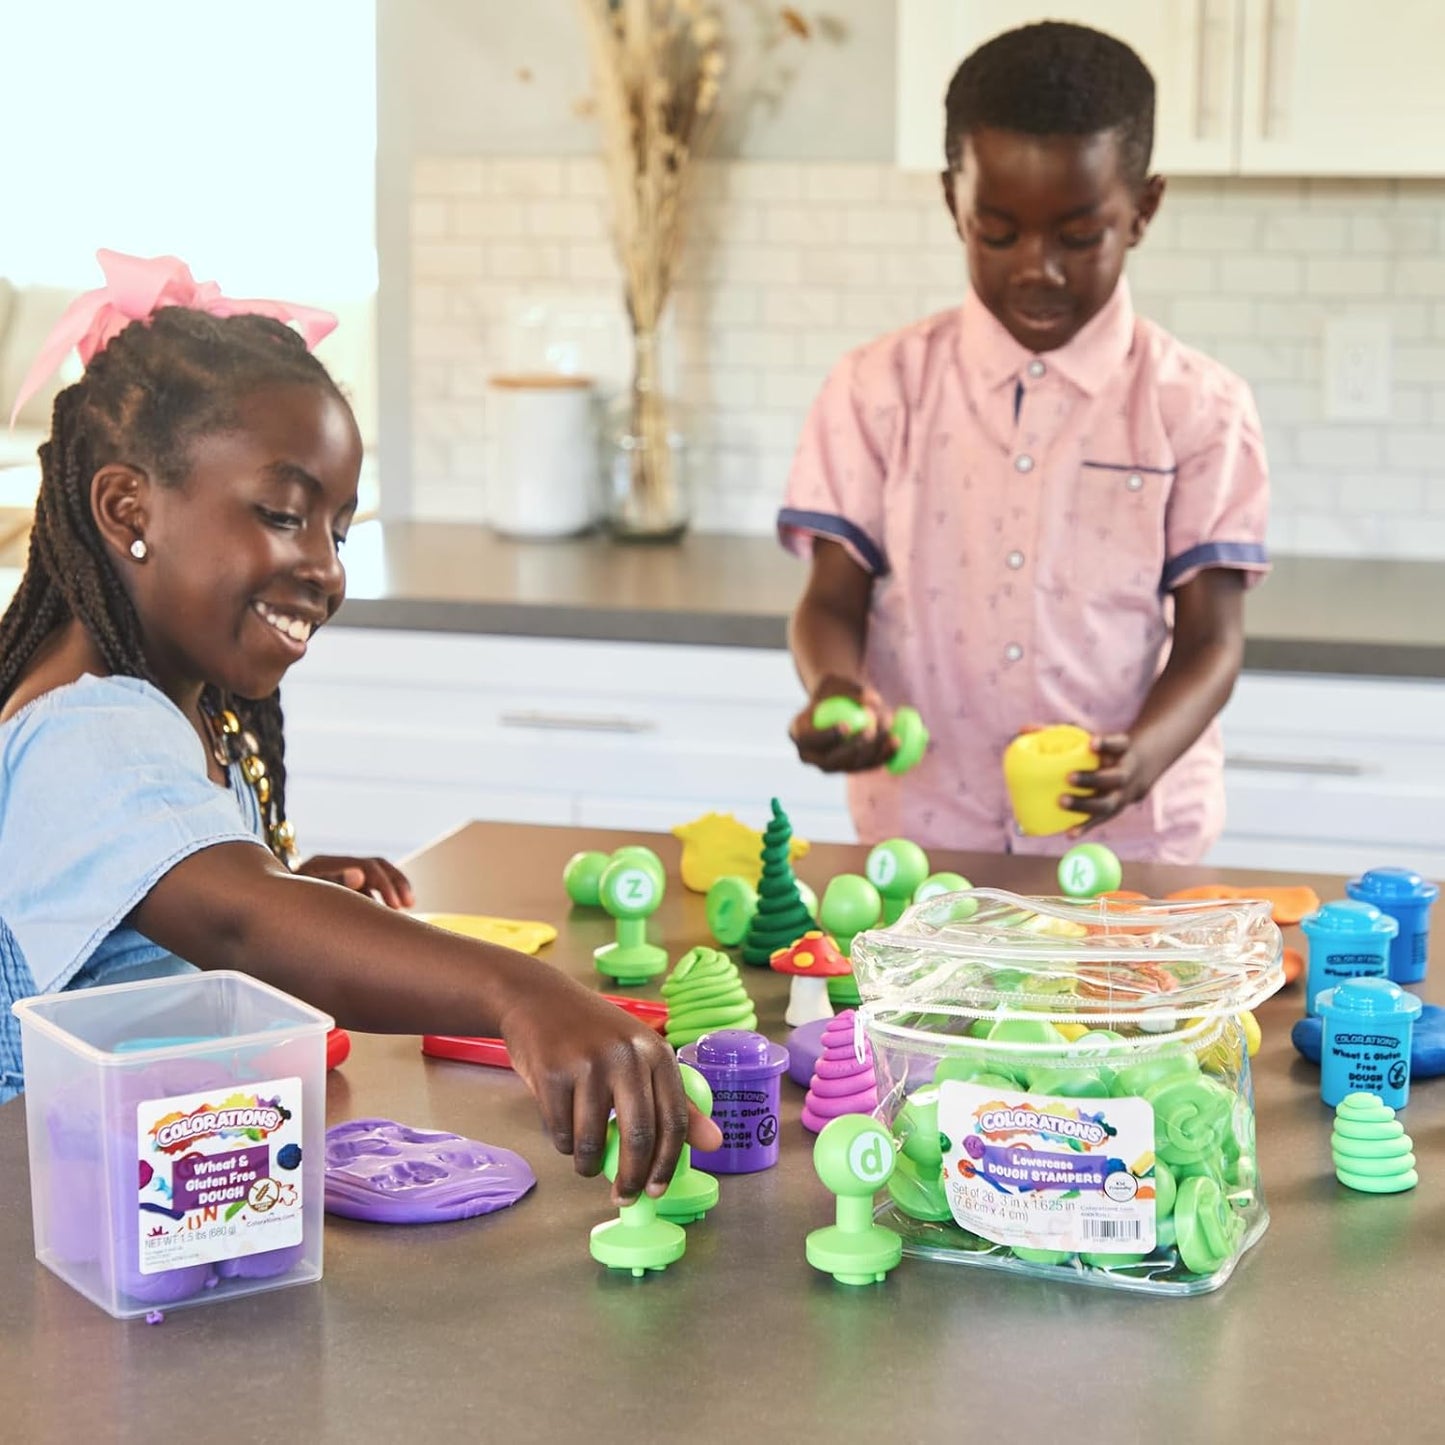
<point>831,749</point>
<point>583,1058</point>
<point>1124,776</point>
<point>374,876</point>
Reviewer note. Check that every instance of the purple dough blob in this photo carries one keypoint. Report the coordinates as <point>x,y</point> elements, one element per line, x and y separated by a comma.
<point>805,1048</point>
<point>389,1173</point>
<point>973,1146</point>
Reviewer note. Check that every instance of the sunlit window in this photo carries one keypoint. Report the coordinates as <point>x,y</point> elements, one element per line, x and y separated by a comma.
<point>240,137</point>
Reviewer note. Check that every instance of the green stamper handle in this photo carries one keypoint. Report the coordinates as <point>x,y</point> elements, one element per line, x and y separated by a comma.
<point>854,1157</point>
<point>896,868</point>
<point>909,732</point>
<point>637,1240</point>
<point>692,1191</point>
<point>630,890</point>
<point>844,713</point>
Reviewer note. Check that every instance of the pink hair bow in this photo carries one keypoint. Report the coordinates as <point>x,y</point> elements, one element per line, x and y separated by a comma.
<point>136,288</point>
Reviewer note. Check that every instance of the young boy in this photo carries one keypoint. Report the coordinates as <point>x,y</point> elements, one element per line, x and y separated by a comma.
<point>1038,507</point>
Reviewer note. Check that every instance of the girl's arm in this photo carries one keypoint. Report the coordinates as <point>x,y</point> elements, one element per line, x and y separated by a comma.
<point>1197,680</point>
<point>827,635</point>
<point>234,906</point>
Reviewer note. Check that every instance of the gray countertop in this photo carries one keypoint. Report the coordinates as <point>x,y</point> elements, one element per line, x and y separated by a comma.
<point>1313,615</point>
<point>503,1328</point>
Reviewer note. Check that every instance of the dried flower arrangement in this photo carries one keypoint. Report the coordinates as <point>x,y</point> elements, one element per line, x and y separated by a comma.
<point>656,66</point>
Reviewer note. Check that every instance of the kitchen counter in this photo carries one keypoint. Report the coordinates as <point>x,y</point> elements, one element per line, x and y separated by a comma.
<point>504,1328</point>
<point>1313,615</point>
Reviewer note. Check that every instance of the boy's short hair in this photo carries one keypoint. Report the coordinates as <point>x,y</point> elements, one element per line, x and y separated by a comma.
<point>1054,79</point>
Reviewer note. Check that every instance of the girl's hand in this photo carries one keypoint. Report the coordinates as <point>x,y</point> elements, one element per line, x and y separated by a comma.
<point>831,749</point>
<point>1124,776</point>
<point>582,1058</point>
<point>373,876</point>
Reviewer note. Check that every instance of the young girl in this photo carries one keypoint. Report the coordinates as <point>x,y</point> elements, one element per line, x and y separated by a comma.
<point>1038,507</point>
<point>196,491</point>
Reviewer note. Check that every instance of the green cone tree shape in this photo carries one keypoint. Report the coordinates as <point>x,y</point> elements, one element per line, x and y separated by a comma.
<point>782,917</point>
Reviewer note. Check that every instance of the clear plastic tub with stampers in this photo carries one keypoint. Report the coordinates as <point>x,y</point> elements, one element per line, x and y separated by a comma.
<point>1068,1083</point>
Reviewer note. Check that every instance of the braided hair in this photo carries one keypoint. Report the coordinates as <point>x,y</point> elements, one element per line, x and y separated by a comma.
<point>144,398</point>
<point>1054,78</point>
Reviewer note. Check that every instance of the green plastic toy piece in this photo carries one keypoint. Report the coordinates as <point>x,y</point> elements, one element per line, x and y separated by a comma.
<point>637,1240</point>
<point>705,992</point>
<point>854,1158</point>
<point>692,1191</point>
<point>846,714</point>
<point>1066,1083</point>
<point>1372,1151</point>
<point>916,1185</point>
<point>909,732</point>
<point>1042,1256</point>
<point>639,853</point>
<point>1207,1229</point>
<point>731,903</point>
<point>630,889</point>
<point>782,918</point>
<point>850,905</point>
<point>1191,1117</point>
<point>896,868</point>
<point>937,883</point>
<point>1089,869</point>
<point>1139,1078</point>
<point>581,876</point>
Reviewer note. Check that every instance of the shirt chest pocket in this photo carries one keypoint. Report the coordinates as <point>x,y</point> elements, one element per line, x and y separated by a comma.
<point>1104,522</point>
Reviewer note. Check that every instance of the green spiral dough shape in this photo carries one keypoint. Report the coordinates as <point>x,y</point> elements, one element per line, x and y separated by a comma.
<point>705,992</point>
<point>1372,1151</point>
<point>1207,1229</point>
<point>1191,1117</point>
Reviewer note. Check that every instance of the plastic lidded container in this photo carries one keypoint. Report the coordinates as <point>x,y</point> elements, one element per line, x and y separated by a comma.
<point>1347,939</point>
<point>1068,1083</point>
<point>177,1132</point>
<point>1406,897</point>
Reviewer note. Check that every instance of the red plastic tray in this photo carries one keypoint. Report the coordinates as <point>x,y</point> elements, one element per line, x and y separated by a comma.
<point>493,1052</point>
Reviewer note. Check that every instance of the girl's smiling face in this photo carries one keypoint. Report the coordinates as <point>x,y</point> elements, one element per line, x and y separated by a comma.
<point>242,556</point>
<point>1047,222</point>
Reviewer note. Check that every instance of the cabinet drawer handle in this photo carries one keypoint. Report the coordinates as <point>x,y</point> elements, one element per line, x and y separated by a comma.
<point>1314,767</point>
<point>569,722</point>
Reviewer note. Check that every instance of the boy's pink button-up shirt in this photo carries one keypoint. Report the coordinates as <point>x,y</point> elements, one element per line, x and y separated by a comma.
<point>1025,518</point>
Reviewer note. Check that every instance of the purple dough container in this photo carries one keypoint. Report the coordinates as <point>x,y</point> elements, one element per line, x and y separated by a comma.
<point>744,1070</point>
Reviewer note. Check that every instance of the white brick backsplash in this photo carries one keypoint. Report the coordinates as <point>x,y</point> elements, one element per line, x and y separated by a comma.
<point>1258,275</point>
<point>1338,448</point>
<point>787,266</point>
<point>1306,235</point>
<point>843,183</point>
<point>528,176</point>
<point>900,226</point>
<point>1347,276</point>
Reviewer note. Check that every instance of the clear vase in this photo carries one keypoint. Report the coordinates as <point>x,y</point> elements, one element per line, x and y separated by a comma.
<point>647,496</point>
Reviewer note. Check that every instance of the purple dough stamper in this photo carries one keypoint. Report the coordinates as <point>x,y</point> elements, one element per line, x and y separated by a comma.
<point>389,1173</point>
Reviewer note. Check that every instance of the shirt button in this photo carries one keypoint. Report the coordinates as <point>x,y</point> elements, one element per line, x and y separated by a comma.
<point>1023,462</point>
<point>1015,560</point>
<point>1037,369</point>
<point>1013,652</point>
<point>1135,481</point>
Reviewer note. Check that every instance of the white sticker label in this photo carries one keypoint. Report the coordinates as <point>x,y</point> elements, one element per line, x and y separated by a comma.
<point>220,1175</point>
<point>1040,1172</point>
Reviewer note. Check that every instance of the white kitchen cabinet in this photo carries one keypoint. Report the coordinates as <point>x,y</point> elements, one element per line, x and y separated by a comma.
<point>1245,87</point>
<point>1189,45</point>
<point>1337,774</point>
<point>1342,88</point>
<point>395,737</point>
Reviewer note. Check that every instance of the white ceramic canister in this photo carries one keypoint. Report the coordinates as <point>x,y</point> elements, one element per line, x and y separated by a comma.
<point>544,477</point>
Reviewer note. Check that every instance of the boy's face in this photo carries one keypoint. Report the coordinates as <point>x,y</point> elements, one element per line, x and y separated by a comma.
<point>1046,222</point>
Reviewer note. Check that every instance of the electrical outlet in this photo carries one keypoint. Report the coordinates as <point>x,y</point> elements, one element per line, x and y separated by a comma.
<point>1357,368</point>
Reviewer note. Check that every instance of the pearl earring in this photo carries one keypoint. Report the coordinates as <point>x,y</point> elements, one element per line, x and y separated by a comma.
<point>138,549</point>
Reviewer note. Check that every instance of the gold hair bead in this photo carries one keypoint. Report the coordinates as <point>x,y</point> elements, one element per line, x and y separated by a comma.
<point>249,744</point>
<point>253,769</point>
<point>230,723</point>
<point>263,791</point>
<point>283,835</point>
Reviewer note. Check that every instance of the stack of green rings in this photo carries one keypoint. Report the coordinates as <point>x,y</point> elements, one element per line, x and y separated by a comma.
<point>1203,1136</point>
